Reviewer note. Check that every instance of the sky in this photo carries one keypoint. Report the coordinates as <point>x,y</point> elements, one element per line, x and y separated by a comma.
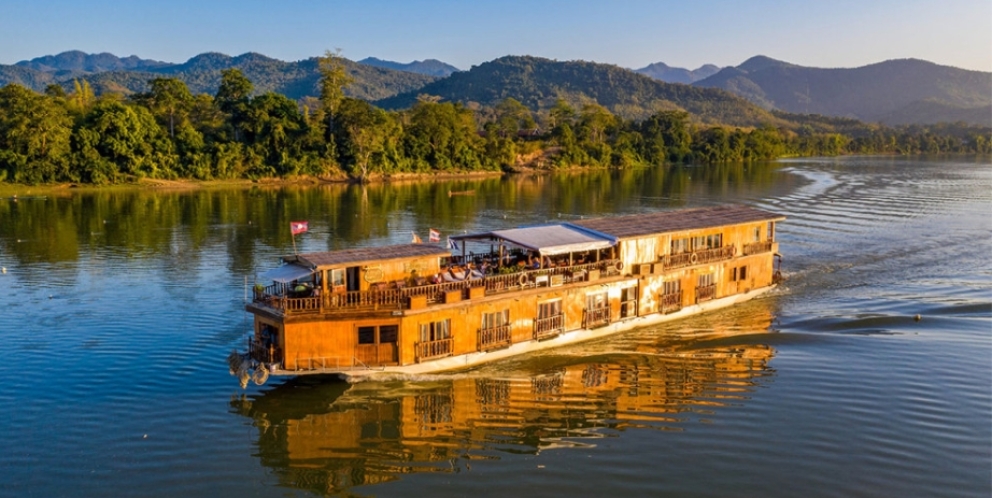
<point>628,33</point>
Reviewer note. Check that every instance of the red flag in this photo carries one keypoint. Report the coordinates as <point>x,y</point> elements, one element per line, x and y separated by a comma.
<point>435,236</point>
<point>298,227</point>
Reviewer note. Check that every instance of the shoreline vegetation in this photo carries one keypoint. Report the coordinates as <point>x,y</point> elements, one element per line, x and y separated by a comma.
<point>170,138</point>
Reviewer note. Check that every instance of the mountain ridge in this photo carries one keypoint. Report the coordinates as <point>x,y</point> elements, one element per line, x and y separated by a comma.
<point>429,67</point>
<point>669,74</point>
<point>898,91</point>
<point>875,92</point>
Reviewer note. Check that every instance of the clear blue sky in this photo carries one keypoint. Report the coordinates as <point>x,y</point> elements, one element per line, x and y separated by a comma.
<point>631,33</point>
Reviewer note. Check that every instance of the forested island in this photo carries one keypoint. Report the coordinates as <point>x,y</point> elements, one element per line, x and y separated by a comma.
<point>167,132</point>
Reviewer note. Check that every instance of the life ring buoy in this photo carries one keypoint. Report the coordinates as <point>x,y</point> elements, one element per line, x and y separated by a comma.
<point>522,279</point>
<point>260,375</point>
<point>619,266</point>
<point>693,258</point>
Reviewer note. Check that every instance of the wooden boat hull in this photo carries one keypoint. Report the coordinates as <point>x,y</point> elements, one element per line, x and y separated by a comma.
<point>470,360</point>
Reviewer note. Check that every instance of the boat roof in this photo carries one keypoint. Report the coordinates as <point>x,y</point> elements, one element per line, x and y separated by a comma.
<point>549,240</point>
<point>366,254</point>
<point>638,225</point>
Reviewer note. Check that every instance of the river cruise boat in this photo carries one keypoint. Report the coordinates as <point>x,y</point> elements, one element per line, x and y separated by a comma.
<point>425,308</point>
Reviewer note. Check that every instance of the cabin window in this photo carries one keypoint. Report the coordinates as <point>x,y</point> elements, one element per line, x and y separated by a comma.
<point>673,286</point>
<point>714,241</point>
<point>706,280</point>
<point>386,334</point>
<point>494,320</point>
<point>389,333</point>
<point>435,331</point>
<point>549,309</point>
<point>366,335</point>
<point>628,302</point>
<point>739,273</point>
<point>597,312</point>
<point>757,234</point>
<point>337,278</point>
<point>550,320</point>
<point>680,246</point>
<point>495,331</point>
<point>698,243</point>
<point>596,301</point>
<point>771,230</point>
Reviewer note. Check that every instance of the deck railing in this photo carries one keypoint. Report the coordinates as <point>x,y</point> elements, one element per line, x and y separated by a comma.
<point>546,328</point>
<point>596,317</point>
<point>262,354</point>
<point>494,338</point>
<point>429,350</point>
<point>705,256</point>
<point>705,292</point>
<point>280,297</point>
<point>671,302</point>
<point>757,247</point>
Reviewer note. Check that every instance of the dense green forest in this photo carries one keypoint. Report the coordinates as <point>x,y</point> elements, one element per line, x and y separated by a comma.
<point>170,133</point>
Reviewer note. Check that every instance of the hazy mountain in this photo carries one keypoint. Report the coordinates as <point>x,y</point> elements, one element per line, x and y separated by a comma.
<point>894,92</point>
<point>202,74</point>
<point>668,74</point>
<point>26,77</point>
<point>430,67</point>
<point>77,61</point>
<point>538,83</point>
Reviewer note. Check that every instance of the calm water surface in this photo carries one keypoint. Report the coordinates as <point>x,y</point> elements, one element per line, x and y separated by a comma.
<point>118,309</point>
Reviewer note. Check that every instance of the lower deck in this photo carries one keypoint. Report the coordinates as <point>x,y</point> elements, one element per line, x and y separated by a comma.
<point>468,360</point>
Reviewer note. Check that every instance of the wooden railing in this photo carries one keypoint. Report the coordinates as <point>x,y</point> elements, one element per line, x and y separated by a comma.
<point>278,296</point>
<point>596,317</point>
<point>671,302</point>
<point>705,292</point>
<point>429,350</point>
<point>258,352</point>
<point>757,247</point>
<point>494,338</point>
<point>705,256</point>
<point>546,328</point>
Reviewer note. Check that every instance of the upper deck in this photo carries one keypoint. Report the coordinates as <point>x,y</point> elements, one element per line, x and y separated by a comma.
<point>410,276</point>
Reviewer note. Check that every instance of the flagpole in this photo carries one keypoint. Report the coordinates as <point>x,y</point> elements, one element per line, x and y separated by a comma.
<point>295,253</point>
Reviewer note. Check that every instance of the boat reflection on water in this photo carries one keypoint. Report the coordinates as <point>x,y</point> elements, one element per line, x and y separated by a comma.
<point>328,436</point>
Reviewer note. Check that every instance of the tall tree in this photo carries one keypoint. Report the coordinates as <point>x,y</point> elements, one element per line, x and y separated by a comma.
<point>170,99</point>
<point>334,78</point>
<point>34,136</point>
<point>233,97</point>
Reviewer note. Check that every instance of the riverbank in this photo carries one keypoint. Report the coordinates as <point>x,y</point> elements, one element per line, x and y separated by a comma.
<point>25,190</point>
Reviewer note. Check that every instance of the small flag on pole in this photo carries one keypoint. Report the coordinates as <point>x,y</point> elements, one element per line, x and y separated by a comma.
<point>435,236</point>
<point>298,227</point>
<point>452,244</point>
<point>416,238</point>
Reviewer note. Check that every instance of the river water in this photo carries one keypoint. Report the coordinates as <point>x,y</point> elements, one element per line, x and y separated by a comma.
<point>119,307</point>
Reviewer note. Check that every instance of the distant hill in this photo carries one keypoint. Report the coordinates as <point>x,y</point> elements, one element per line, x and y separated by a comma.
<point>893,92</point>
<point>76,61</point>
<point>202,74</point>
<point>293,79</point>
<point>538,83</point>
<point>430,67</point>
<point>668,74</point>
